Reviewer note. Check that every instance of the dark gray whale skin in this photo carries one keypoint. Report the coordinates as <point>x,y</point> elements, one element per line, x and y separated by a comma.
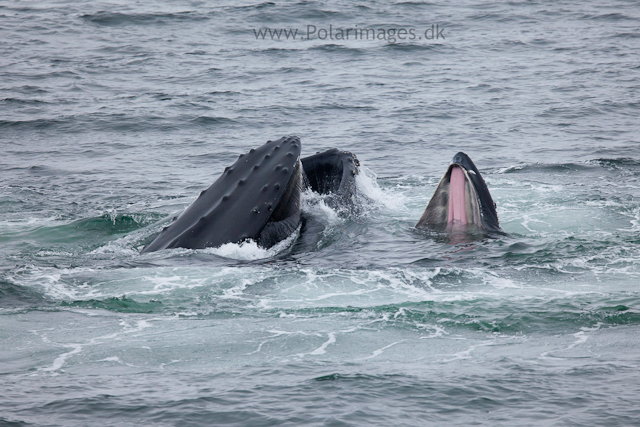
<point>258,197</point>
<point>332,172</point>
<point>487,206</point>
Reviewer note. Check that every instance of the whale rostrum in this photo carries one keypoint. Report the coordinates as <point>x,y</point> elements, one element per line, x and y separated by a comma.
<point>258,197</point>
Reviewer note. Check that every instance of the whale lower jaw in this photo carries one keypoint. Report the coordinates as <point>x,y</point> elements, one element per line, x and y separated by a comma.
<point>454,206</point>
<point>286,217</point>
<point>332,173</point>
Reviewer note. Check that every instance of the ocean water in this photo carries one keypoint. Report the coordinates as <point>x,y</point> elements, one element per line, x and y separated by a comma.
<point>115,115</point>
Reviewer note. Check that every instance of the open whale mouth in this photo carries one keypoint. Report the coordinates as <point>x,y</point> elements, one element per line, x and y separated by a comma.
<point>461,202</point>
<point>454,205</point>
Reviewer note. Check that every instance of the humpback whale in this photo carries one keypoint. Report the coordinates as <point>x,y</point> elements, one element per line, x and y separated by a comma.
<point>461,202</point>
<point>259,196</point>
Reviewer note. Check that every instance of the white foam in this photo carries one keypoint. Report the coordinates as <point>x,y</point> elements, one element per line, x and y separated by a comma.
<point>438,331</point>
<point>379,351</point>
<point>314,204</point>
<point>22,225</point>
<point>49,278</point>
<point>111,359</point>
<point>514,168</point>
<point>61,360</point>
<point>635,222</point>
<point>45,253</point>
<point>323,348</point>
<point>249,250</point>
<point>369,190</point>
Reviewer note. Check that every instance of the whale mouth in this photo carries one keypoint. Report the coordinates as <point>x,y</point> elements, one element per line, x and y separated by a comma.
<point>454,206</point>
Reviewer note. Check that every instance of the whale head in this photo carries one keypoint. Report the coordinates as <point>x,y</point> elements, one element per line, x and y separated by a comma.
<point>258,198</point>
<point>461,202</point>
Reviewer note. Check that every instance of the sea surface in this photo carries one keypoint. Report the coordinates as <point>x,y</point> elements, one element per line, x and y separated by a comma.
<point>115,115</point>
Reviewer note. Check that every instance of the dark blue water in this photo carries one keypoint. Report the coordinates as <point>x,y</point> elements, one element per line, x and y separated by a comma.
<point>114,116</point>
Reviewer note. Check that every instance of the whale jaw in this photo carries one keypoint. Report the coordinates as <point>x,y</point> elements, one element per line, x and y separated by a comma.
<point>461,202</point>
<point>454,205</point>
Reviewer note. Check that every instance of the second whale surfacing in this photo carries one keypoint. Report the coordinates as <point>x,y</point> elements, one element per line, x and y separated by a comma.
<point>259,197</point>
<point>461,202</point>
